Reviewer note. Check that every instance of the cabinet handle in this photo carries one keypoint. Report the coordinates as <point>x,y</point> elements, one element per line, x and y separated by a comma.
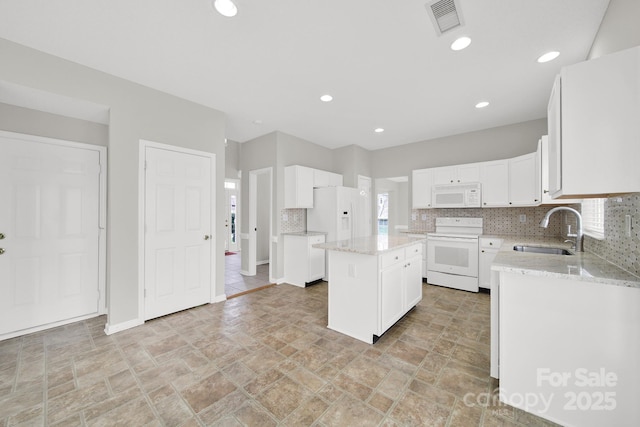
<point>490,243</point>
<point>483,251</point>
<point>396,257</point>
<point>510,203</point>
<point>546,191</point>
<point>535,200</point>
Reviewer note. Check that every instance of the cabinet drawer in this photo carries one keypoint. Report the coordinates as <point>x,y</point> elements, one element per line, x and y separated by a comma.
<point>390,258</point>
<point>316,239</point>
<point>488,243</point>
<point>414,250</point>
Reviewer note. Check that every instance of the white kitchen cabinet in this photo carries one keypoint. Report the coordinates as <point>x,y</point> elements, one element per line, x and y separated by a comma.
<point>424,253</point>
<point>322,178</point>
<point>494,177</point>
<point>545,157</point>
<point>302,262</point>
<point>421,181</point>
<point>524,180</point>
<point>369,293</point>
<point>400,284</point>
<point>456,174</point>
<point>298,187</point>
<point>489,248</point>
<point>594,130</point>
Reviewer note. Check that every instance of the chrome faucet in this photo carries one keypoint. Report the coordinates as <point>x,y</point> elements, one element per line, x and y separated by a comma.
<point>578,234</point>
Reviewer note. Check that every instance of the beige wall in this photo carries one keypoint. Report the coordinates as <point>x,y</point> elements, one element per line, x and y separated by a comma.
<point>136,112</point>
<point>620,28</point>
<point>33,122</point>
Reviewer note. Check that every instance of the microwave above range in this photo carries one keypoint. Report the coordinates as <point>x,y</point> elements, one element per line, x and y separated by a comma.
<point>467,195</point>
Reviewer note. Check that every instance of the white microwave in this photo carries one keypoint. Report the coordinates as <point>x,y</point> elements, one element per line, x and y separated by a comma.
<point>456,195</point>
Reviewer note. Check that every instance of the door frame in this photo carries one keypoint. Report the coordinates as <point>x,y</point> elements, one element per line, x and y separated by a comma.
<point>238,212</point>
<point>102,219</point>
<point>253,219</point>
<point>143,145</point>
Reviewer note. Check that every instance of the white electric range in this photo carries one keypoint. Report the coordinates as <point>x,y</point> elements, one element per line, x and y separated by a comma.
<point>452,253</point>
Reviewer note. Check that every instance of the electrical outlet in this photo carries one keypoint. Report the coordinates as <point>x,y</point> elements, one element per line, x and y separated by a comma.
<point>627,225</point>
<point>285,217</point>
<point>523,218</point>
<point>414,216</point>
<point>424,217</point>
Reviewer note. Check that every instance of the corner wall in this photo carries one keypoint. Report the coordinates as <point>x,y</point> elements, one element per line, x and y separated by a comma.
<point>136,112</point>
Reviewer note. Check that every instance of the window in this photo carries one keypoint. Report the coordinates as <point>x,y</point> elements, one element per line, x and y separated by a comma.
<point>593,217</point>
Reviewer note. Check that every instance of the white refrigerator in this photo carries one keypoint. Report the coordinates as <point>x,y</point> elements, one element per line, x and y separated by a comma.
<point>340,212</point>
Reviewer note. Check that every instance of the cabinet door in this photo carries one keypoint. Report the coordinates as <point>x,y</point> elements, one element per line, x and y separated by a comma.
<point>321,178</point>
<point>316,259</point>
<point>524,180</point>
<point>298,187</point>
<point>553,156</point>
<point>494,177</point>
<point>444,175</point>
<point>412,282</point>
<point>421,181</point>
<point>484,271</point>
<point>468,173</point>
<point>391,299</point>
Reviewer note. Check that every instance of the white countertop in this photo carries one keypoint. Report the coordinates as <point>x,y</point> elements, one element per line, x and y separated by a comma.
<point>584,266</point>
<point>372,245</point>
<point>305,233</point>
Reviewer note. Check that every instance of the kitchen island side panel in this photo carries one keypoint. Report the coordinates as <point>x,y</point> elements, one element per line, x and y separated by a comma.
<point>353,294</point>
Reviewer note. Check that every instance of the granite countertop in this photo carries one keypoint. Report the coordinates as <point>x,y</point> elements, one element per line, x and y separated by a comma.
<point>305,233</point>
<point>584,266</point>
<point>372,245</point>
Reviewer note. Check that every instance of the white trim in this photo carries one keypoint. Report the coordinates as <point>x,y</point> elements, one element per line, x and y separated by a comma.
<point>144,144</point>
<point>219,298</point>
<point>102,220</point>
<point>118,327</point>
<point>252,244</point>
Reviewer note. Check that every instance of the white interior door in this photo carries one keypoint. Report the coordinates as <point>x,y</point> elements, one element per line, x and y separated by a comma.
<point>50,217</point>
<point>178,224</point>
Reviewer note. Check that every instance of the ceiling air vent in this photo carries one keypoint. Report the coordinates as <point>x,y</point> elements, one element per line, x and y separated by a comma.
<point>445,15</point>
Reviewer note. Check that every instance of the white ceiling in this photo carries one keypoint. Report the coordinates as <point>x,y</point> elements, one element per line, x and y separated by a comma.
<point>380,59</point>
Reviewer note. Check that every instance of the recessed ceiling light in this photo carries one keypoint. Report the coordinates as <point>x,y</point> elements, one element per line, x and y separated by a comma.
<point>549,56</point>
<point>257,122</point>
<point>225,7</point>
<point>326,98</point>
<point>461,43</point>
<point>482,104</point>
<point>378,130</point>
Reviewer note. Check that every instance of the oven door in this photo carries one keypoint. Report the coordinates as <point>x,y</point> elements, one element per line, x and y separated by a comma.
<point>453,255</point>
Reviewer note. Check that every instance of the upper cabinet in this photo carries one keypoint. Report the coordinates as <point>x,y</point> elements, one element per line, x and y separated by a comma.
<point>421,182</point>
<point>594,130</point>
<point>524,180</point>
<point>456,174</point>
<point>494,177</point>
<point>326,179</point>
<point>299,182</point>
<point>546,158</point>
<point>507,182</point>
<point>298,187</point>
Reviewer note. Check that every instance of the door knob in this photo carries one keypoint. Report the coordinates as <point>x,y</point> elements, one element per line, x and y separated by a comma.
<point>207,237</point>
<point>1,236</point>
<point>1,251</point>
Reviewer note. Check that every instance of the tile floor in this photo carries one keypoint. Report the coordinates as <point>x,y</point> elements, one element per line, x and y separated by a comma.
<point>261,359</point>
<point>235,283</point>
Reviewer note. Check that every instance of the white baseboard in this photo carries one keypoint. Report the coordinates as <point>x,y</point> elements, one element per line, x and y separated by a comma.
<point>219,298</point>
<point>112,329</point>
<point>46,326</point>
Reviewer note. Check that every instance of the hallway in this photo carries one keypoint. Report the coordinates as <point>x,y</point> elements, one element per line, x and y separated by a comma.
<point>235,283</point>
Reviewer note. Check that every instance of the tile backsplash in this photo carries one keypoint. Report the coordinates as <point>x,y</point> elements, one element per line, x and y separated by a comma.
<point>496,220</point>
<point>293,220</point>
<point>617,247</point>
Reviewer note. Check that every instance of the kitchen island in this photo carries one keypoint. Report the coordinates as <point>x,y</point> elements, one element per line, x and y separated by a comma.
<point>373,282</point>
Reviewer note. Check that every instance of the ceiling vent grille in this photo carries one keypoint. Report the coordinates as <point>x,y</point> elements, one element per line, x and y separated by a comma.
<point>445,15</point>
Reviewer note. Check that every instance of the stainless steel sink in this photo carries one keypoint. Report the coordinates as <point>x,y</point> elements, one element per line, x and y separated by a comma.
<point>541,250</point>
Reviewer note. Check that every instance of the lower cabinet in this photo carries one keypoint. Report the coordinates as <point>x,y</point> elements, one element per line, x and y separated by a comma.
<point>424,254</point>
<point>369,293</point>
<point>489,248</point>
<point>302,262</point>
